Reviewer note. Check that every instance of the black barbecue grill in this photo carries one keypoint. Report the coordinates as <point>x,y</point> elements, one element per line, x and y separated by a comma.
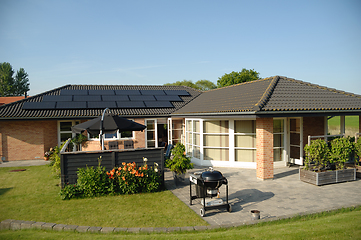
<point>207,187</point>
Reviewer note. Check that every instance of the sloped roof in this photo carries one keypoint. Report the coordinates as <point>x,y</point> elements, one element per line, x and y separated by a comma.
<point>6,100</point>
<point>17,110</point>
<point>271,95</point>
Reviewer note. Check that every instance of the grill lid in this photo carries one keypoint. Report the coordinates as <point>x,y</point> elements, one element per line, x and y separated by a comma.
<point>211,175</point>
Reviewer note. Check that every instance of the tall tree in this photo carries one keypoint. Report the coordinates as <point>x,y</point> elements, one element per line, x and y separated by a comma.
<point>187,83</point>
<point>237,77</point>
<point>203,85</point>
<point>10,86</point>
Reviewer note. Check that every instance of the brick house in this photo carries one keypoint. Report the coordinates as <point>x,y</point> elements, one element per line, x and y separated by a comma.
<point>259,124</point>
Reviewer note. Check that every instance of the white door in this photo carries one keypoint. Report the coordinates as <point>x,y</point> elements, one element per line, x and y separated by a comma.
<point>295,141</point>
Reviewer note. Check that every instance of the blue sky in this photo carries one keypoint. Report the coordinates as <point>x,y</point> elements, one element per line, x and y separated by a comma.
<point>156,42</point>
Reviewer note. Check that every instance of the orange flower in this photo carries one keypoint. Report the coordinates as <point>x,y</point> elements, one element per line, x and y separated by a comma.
<point>123,178</point>
<point>142,175</point>
<point>120,168</point>
<point>125,168</point>
<point>123,163</point>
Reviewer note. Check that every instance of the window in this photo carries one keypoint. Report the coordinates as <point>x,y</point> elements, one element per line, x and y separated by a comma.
<point>245,140</point>
<point>278,140</point>
<point>216,140</point>
<point>193,140</point>
<point>151,133</point>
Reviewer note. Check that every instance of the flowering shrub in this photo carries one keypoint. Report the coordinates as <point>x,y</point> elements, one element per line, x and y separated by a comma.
<point>126,179</point>
<point>131,179</point>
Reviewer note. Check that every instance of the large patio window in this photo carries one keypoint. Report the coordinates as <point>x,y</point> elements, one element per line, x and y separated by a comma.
<point>245,140</point>
<point>216,140</point>
<point>193,138</point>
<point>278,139</point>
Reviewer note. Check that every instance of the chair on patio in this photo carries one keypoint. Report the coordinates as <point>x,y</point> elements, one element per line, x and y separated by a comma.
<point>113,145</point>
<point>128,145</point>
<point>168,151</point>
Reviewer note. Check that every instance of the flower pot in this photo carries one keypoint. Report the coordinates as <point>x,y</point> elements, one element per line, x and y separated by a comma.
<point>327,177</point>
<point>180,179</point>
<point>255,214</point>
<point>46,158</point>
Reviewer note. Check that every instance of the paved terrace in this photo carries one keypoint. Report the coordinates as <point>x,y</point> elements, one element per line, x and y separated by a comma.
<point>283,197</point>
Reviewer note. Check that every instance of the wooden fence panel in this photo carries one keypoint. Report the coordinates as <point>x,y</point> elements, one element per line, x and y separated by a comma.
<point>70,162</point>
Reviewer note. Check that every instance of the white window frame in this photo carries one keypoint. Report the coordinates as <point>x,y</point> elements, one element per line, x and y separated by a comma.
<point>283,161</point>
<point>73,123</point>
<point>155,132</point>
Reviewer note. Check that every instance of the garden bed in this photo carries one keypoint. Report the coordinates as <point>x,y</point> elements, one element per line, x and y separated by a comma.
<point>327,177</point>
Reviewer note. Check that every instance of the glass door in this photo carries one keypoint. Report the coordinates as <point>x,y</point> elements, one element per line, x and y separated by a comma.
<point>295,140</point>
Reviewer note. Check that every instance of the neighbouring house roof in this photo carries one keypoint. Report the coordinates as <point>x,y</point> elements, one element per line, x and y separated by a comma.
<point>6,100</point>
<point>274,95</point>
<point>87,101</point>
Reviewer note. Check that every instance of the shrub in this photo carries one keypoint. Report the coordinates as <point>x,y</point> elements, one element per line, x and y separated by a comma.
<point>179,162</point>
<point>130,179</point>
<point>70,191</point>
<point>93,181</point>
<point>341,151</point>
<point>318,151</point>
<point>127,179</point>
<point>358,149</point>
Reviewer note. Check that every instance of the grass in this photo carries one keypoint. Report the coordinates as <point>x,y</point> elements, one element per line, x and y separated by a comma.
<point>340,224</point>
<point>351,125</point>
<point>33,195</point>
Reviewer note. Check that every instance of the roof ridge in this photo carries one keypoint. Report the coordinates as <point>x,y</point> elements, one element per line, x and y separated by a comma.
<point>267,94</point>
<point>322,87</point>
<point>35,96</point>
<point>237,84</point>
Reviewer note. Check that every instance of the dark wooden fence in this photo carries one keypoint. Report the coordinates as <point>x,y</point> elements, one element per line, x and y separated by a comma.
<point>70,162</point>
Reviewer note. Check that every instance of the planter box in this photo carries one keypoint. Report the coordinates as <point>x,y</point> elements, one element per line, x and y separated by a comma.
<point>358,171</point>
<point>328,177</point>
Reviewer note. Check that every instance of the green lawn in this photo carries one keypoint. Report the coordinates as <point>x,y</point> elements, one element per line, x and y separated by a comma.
<point>33,195</point>
<point>351,125</point>
<point>336,225</point>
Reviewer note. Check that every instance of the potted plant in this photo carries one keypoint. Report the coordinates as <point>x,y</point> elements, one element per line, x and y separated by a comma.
<point>320,159</point>
<point>179,163</point>
<point>48,154</point>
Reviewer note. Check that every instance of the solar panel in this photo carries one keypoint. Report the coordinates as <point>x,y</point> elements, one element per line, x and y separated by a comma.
<point>71,105</point>
<point>177,92</point>
<point>131,104</point>
<point>127,92</point>
<point>102,105</point>
<point>159,104</point>
<point>142,98</point>
<point>152,92</point>
<point>116,98</point>
<point>39,105</point>
<point>173,98</point>
<point>94,98</point>
<point>57,98</point>
<point>101,92</point>
<point>74,92</point>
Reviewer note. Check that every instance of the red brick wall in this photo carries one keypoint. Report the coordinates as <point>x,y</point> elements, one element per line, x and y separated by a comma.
<point>27,140</point>
<point>313,126</point>
<point>264,135</point>
<point>139,140</point>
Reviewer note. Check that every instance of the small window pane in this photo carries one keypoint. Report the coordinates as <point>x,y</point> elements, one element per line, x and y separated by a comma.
<point>189,125</point>
<point>65,136</point>
<point>195,126</point>
<point>245,126</point>
<point>278,154</point>
<point>111,135</point>
<point>245,155</point>
<point>245,141</point>
<point>65,126</point>
<point>196,139</point>
<point>216,154</point>
<point>215,127</point>
<point>278,126</point>
<point>216,140</point>
<point>126,134</point>
<point>278,140</point>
